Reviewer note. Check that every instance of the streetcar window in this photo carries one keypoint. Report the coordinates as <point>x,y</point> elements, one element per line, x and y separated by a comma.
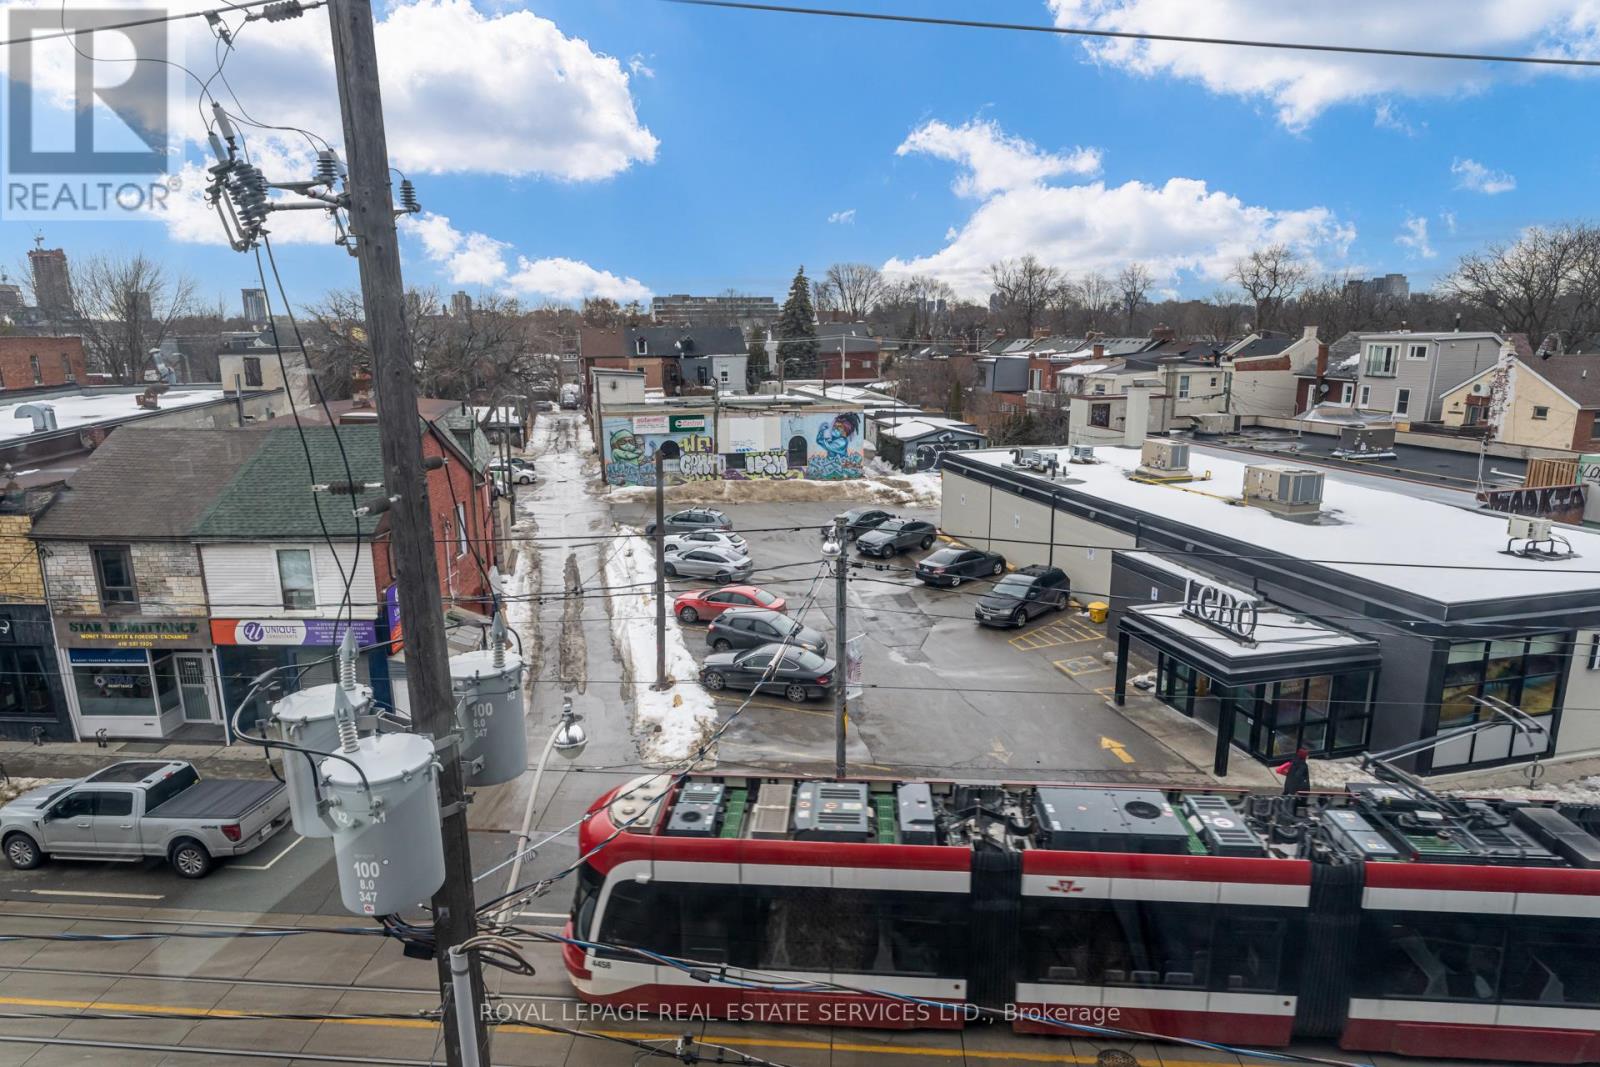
<point>1128,942</point>
<point>584,900</point>
<point>633,919</point>
<point>1432,957</point>
<point>1556,961</point>
<point>803,928</point>
<point>1249,950</point>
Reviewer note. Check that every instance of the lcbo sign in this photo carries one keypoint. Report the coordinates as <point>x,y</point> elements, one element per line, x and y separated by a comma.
<point>1233,615</point>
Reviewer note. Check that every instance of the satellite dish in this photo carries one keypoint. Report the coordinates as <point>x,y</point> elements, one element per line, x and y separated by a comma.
<point>1322,388</point>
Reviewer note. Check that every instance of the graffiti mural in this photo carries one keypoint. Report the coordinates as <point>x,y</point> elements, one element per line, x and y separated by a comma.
<point>773,464</point>
<point>838,438</point>
<point>699,466</point>
<point>823,445</point>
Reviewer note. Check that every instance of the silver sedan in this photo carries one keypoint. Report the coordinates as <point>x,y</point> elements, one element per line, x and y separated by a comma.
<point>719,564</point>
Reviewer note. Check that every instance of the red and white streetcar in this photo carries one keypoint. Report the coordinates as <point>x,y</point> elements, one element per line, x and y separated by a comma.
<point>1386,919</point>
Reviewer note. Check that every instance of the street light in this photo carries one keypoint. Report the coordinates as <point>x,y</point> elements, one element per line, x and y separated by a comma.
<point>568,738</point>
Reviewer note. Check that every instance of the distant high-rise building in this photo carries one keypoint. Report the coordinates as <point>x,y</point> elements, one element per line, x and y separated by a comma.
<point>460,303</point>
<point>255,305</point>
<point>681,309</point>
<point>10,296</point>
<point>52,285</point>
<point>1395,286</point>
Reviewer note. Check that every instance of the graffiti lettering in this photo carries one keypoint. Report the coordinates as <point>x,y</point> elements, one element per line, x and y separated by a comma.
<point>834,468</point>
<point>695,442</point>
<point>773,464</point>
<point>699,466</point>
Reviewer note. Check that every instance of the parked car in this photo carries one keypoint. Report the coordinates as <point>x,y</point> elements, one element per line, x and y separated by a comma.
<point>721,564</point>
<point>142,808</point>
<point>858,521</point>
<point>1023,595</point>
<point>896,535</point>
<point>798,674</point>
<point>704,538</point>
<point>697,605</point>
<point>754,627</point>
<point>952,566</point>
<point>520,475</point>
<point>691,520</point>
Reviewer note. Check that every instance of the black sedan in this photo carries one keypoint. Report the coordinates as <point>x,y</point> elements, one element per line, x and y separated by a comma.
<point>756,627</point>
<point>858,521</point>
<point>952,566</point>
<point>798,674</point>
<point>896,535</point>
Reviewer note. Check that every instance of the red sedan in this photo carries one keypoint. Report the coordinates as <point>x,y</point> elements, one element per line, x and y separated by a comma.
<point>697,606</point>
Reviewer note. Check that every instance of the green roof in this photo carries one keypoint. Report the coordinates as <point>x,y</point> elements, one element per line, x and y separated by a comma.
<point>271,497</point>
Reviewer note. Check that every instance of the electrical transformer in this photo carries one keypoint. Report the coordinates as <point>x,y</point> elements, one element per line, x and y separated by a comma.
<point>387,842</point>
<point>306,719</point>
<point>494,742</point>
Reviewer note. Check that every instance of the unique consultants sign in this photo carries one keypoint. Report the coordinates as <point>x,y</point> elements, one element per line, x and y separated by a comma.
<point>131,631</point>
<point>291,631</point>
<point>1222,610</point>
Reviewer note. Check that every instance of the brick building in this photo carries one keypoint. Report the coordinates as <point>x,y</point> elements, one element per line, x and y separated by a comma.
<point>32,701</point>
<point>29,362</point>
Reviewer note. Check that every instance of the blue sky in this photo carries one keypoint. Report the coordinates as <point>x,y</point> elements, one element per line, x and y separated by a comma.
<point>636,147</point>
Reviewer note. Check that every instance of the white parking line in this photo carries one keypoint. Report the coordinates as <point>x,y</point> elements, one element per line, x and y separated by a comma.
<point>267,866</point>
<point>78,893</point>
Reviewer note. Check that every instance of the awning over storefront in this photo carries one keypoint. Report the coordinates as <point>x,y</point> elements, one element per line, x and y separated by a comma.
<point>1282,644</point>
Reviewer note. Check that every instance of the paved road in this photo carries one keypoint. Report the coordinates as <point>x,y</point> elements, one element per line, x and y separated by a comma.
<point>944,695</point>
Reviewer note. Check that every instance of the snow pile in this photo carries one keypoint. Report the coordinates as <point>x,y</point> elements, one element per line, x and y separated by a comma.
<point>674,721</point>
<point>906,490</point>
<point>11,788</point>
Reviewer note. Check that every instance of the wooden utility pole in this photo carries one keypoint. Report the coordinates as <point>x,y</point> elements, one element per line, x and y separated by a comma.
<point>372,227</point>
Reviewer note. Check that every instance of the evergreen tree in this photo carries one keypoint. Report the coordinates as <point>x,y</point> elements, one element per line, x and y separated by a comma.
<point>797,330</point>
<point>756,363</point>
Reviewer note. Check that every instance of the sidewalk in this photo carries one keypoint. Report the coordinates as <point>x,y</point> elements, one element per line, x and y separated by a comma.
<point>74,759</point>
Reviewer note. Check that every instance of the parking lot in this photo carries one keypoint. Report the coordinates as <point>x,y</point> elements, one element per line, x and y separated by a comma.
<point>943,694</point>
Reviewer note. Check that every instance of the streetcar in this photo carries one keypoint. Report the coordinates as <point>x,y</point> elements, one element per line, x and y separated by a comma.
<point>1385,918</point>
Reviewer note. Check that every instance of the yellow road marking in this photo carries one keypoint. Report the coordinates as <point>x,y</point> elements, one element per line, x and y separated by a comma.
<point>735,1038</point>
<point>1116,749</point>
<point>1061,665</point>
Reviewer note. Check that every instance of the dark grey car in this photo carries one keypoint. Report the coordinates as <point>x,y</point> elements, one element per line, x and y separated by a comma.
<point>1022,595</point>
<point>858,521</point>
<point>952,566</point>
<point>691,519</point>
<point>896,535</point>
<point>755,627</point>
<point>797,674</point>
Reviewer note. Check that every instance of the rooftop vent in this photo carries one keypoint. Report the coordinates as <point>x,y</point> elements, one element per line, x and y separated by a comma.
<point>1293,491</point>
<point>1081,454</point>
<point>43,416</point>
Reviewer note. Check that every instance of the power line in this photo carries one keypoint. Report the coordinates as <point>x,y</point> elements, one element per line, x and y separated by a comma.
<point>1069,31</point>
<point>153,21</point>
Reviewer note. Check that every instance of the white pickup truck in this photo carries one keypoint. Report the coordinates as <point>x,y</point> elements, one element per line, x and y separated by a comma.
<point>141,808</point>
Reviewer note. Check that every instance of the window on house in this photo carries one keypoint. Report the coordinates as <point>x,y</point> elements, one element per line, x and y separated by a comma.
<point>295,579</point>
<point>641,346</point>
<point>1347,393</point>
<point>1100,390</point>
<point>1380,360</point>
<point>1100,415</point>
<point>67,374</point>
<point>1402,401</point>
<point>1183,387</point>
<point>1417,352</point>
<point>461,530</point>
<point>252,371</point>
<point>113,570</point>
<point>1366,395</point>
<point>38,374</point>
<point>1541,412</point>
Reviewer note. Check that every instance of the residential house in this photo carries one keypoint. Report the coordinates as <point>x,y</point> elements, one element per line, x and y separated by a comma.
<point>125,585</point>
<point>1547,401</point>
<point>847,352</point>
<point>1265,374</point>
<point>1332,383</point>
<point>1176,390</point>
<point>673,358</point>
<point>1409,374</point>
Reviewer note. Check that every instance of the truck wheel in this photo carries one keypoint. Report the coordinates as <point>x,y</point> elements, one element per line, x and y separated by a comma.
<point>23,852</point>
<point>190,859</point>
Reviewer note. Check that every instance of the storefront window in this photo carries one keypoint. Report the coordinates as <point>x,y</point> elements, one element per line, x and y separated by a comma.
<point>114,689</point>
<point>24,685</point>
<point>1523,672</point>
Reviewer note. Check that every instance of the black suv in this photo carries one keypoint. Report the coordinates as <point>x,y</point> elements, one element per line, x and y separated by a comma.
<point>1023,595</point>
<point>896,535</point>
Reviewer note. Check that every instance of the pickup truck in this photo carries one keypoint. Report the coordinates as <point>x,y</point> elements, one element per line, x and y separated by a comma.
<point>141,808</point>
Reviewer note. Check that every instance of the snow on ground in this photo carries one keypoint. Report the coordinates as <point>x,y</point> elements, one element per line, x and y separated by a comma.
<point>1334,773</point>
<point>673,722</point>
<point>904,490</point>
<point>11,788</point>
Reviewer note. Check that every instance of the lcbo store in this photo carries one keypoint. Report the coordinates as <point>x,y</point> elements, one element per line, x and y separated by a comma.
<point>140,676</point>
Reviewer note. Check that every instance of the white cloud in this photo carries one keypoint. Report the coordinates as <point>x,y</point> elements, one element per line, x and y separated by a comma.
<point>845,217</point>
<point>639,68</point>
<point>1301,85</point>
<point>1177,228</point>
<point>476,259</point>
<point>1449,220</point>
<point>1472,175</point>
<point>1414,235</point>
<point>1386,116</point>
<point>993,161</point>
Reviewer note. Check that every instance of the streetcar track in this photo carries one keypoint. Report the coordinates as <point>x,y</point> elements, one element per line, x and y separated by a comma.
<point>213,1051</point>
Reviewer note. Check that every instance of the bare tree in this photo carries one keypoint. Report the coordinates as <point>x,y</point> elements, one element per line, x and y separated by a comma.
<point>916,306</point>
<point>1026,288</point>
<point>1270,276</point>
<point>1219,323</point>
<point>1547,281</point>
<point>127,307</point>
<point>1133,286</point>
<point>856,288</point>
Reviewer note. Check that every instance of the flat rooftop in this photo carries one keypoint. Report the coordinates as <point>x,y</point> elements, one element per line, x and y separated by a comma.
<point>1391,537</point>
<point>75,411</point>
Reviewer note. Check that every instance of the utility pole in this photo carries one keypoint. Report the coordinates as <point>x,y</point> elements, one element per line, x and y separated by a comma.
<point>841,671</point>
<point>667,450</point>
<point>355,61</point>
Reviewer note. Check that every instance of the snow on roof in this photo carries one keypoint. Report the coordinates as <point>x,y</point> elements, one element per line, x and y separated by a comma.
<point>1087,368</point>
<point>909,429</point>
<point>78,410</point>
<point>1387,536</point>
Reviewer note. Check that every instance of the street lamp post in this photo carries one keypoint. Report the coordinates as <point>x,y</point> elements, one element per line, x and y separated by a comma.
<point>569,739</point>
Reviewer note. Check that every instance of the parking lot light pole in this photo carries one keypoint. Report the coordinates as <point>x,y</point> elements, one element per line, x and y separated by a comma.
<point>834,550</point>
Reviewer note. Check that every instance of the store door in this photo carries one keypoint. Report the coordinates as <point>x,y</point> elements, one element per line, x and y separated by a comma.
<point>194,684</point>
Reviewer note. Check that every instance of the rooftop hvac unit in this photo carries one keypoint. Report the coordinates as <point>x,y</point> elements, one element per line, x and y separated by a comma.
<point>1082,454</point>
<point>1168,457</point>
<point>1527,528</point>
<point>1218,422</point>
<point>1286,490</point>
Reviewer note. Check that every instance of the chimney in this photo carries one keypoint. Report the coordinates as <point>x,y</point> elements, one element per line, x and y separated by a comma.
<point>1041,332</point>
<point>1458,322</point>
<point>1099,351</point>
<point>1162,332</point>
<point>360,387</point>
<point>1309,334</point>
<point>1322,361</point>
